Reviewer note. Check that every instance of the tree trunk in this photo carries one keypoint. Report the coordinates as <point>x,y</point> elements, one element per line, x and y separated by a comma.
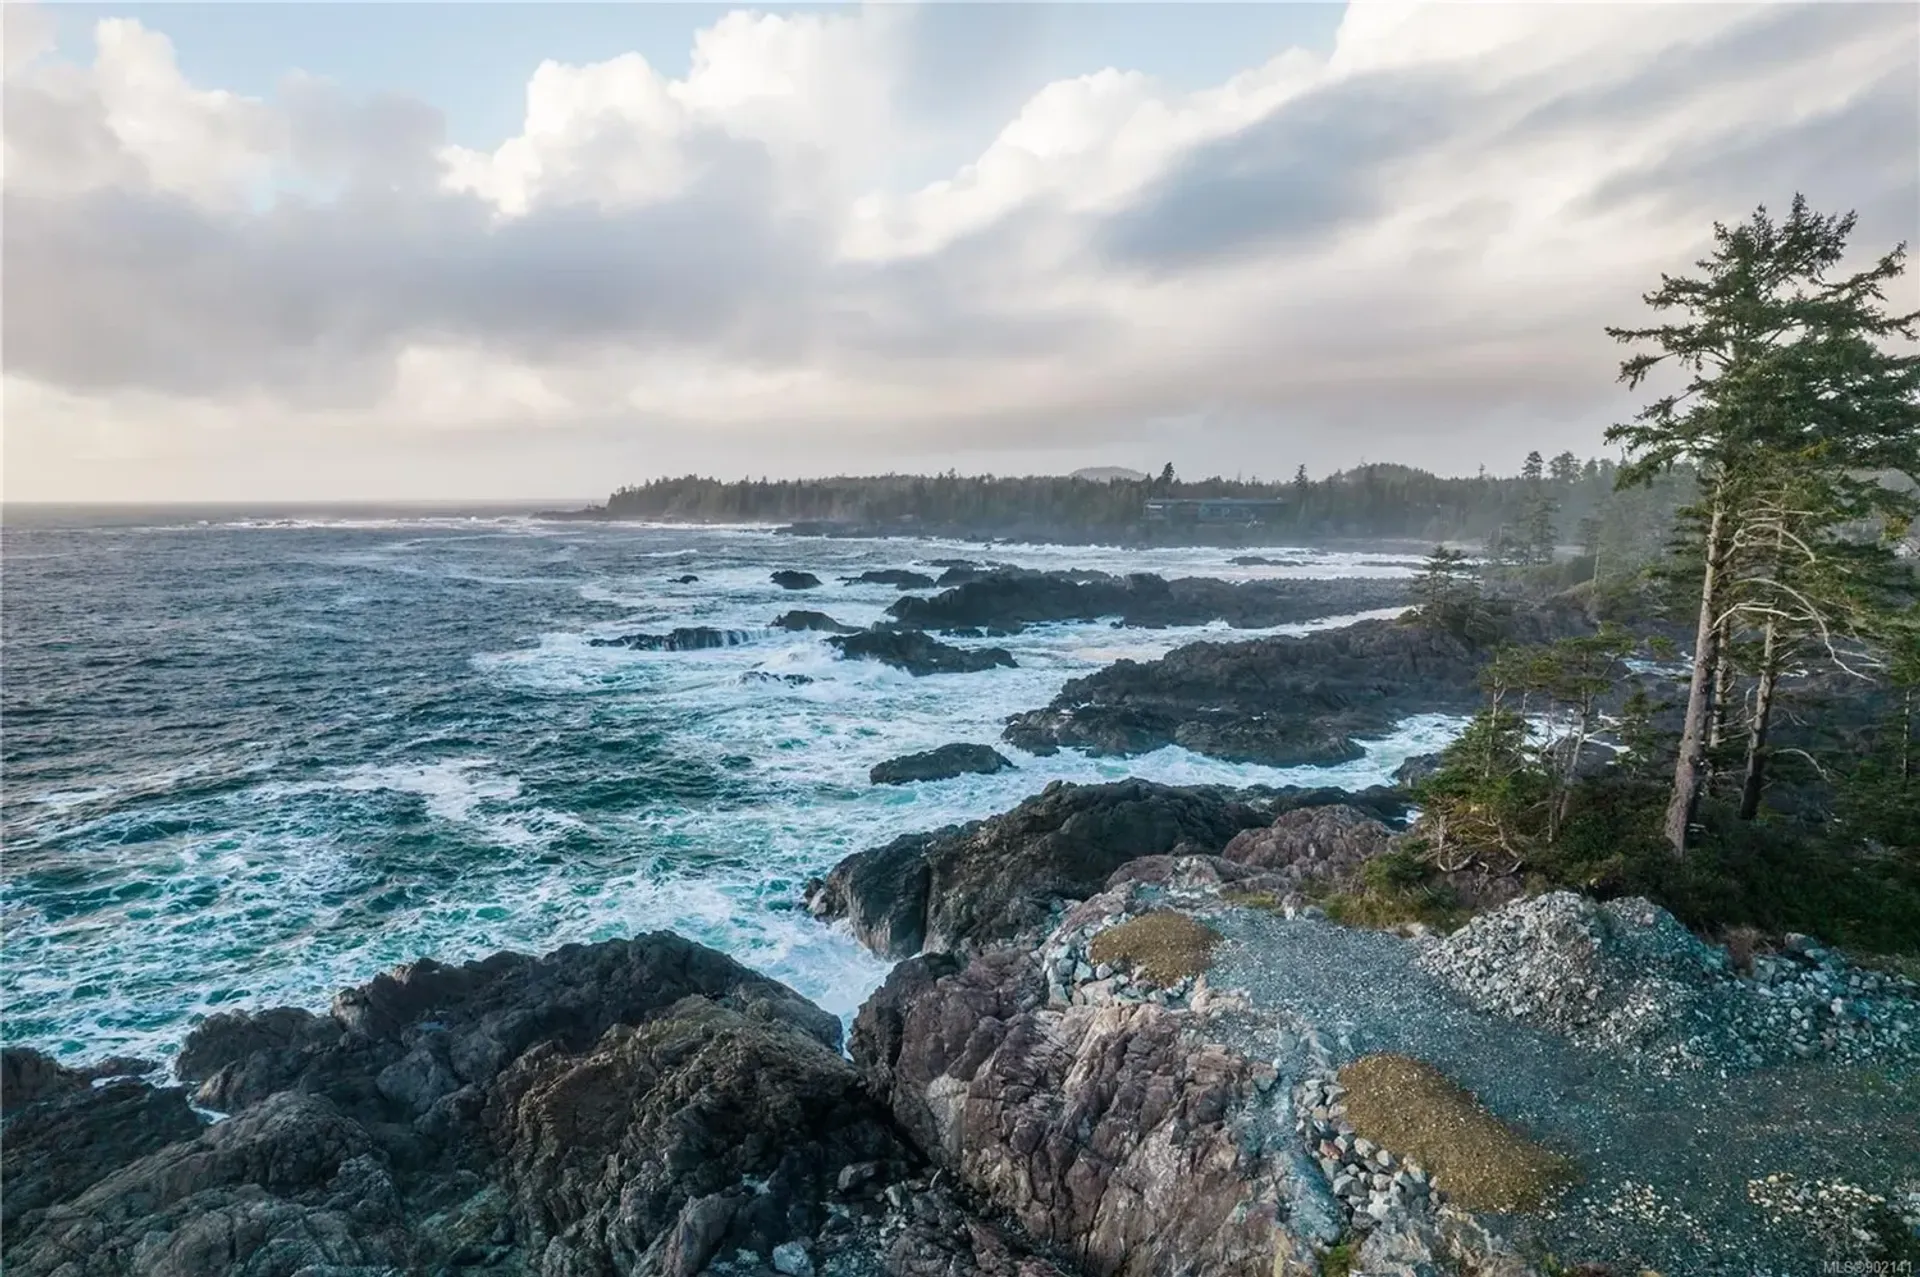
<point>1757,730</point>
<point>1690,767</point>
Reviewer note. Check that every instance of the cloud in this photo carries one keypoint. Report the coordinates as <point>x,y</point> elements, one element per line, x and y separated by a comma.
<point>1404,246</point>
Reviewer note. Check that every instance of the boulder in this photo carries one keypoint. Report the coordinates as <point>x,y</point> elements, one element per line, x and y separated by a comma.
<point>992,880</point>
<point>689,638</point>
<point>940,764</point>
<point>685,578</point>
<point>816,622</point>
<point>788,579</point>
<point>919,654</point>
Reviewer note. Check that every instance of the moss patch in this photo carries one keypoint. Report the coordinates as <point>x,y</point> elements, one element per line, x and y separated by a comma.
<point>1415,1110</point>
<point>1165,947</point>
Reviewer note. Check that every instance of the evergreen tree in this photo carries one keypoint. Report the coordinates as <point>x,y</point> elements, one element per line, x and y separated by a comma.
<point>1784,367</point>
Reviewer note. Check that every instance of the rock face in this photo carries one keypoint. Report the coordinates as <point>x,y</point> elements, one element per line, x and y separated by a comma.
<point>1106,1132</point>
<point>819,622</point>
<point>1324,844</point>
<point>943,763</point>
<point>646,1107</point>
<point>1007,599</point>
<point>788,579</point>
<point>689,638</point>
<point>919,654</point>
<point>965,886</point>
<point>899,578</point>
<point>1279,701</point>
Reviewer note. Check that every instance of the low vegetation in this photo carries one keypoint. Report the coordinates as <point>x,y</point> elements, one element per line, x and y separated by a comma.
<point>1165,947</point>
<point>1411,1108</point>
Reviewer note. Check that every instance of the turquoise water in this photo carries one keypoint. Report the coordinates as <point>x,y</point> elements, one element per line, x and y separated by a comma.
<point>251,761</point>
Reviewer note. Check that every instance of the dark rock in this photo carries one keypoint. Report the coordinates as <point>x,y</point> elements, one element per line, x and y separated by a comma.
<point>29,1077</point>
<point>687,578</point>
<point>1011,598</point>
<point>919,654</point>
<point>899,578</point>
<point>959,888</point>
<point>690,638</point>
<point>940,764</point>
<point>769,676</point>
<point>1255,561</point>
<point>1415,770</point>
<point>701,1132</point>
<point>812,621</point>
<point>788,579</point>
<point>1284,701</point>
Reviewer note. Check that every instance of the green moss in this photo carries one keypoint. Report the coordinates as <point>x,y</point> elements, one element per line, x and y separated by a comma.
<point>1340,1258</point>
<point>1397,887</point>
<point>1165,946</point>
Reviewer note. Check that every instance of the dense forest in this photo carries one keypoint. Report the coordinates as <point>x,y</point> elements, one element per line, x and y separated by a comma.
<point>1564,501</point>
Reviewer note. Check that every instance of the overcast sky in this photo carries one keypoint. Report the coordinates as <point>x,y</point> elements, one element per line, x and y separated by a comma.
<point>462,251</point>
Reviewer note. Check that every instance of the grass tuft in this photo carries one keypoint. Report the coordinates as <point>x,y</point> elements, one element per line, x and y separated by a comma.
<point>1415,1110</point>
<point>1166,947</point>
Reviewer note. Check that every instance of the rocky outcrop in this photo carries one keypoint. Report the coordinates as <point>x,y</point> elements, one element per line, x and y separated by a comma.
<point>1324,846</point>
<point>919,654</point>
<point>1109,1133</point>
<point>943,763</point>
<point>817,622</point>
<point>1007,599</point>
<point>688,638</point>
<point>1285,701</point>
<point>645,1107</point>
<point>788,579</point>
<point>970,885</point>
<point>898,578</point>
<point>685,578</point>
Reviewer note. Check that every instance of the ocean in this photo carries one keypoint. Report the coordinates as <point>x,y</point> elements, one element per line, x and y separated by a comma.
<point>250,760</point>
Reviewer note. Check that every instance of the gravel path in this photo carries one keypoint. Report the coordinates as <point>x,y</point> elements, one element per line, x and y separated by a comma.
<point>1668,1160</point>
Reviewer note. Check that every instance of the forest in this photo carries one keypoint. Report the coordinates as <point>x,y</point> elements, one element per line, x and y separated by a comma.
<point>1564,501</point>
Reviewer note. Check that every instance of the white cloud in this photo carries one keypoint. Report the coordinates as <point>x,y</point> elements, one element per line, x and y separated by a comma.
<point>1406,247</point>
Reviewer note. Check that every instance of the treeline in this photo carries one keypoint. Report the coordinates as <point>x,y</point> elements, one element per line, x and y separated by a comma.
<point>1564,501</point>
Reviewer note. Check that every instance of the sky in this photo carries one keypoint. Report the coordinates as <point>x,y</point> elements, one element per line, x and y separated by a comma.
<point>493,251</point>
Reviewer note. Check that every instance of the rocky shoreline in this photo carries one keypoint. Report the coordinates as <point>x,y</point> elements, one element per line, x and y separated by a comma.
<point>1122,1038</point>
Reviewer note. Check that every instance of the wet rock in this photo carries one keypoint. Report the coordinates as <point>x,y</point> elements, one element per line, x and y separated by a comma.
<point>769,676</point>
<point>818,622</point>
<point>899,578</point>
<point>1011,598</point>
<point>940,764</point>
<point>689,638</point>
<point>788,579</point>
<point>1284,701</point>
<point>919,654</point>
<point>965,886</point>
<point>685,578</point>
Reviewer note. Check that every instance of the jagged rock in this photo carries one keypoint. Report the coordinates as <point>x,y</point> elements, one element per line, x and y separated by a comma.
<point>685,578</point>
<point>788,579</point>
<point>63,1135</point>
<point>818,622</point>
<point>940,764</point>
<point>769,676</point>
<point>1106,1132</point>
<point>1011,598</point>
<point>899,578</point>
<point>992,880</point>
<point>919,654</point>
<point>1324,844</point>
<point>688,638</point>
<point>1415,770</point>
<point>397,1047</point>
<point>701,1132</point>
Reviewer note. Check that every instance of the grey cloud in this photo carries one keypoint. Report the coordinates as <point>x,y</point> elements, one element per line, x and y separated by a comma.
<point>1290,179</point>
